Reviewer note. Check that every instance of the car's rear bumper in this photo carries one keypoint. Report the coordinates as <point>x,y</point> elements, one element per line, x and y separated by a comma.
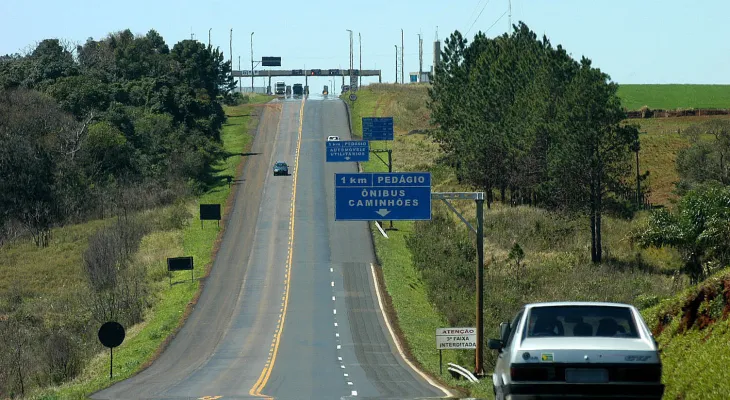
<point>524,391</point>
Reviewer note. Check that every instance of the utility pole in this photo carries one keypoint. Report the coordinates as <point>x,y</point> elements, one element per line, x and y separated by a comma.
<point>420,57</point>
<point>252,62</point>
<point>396,63</point>
<point>209,36</point>
<point>240,88</point>
<point>359,38</point>
<point>402,58</point>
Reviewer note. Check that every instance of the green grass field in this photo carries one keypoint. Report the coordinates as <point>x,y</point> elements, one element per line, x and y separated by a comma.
<point>53,275</point>
<point>671,97</point>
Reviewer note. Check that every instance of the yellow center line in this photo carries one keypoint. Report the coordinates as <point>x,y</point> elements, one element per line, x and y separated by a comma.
<point>266,372</point>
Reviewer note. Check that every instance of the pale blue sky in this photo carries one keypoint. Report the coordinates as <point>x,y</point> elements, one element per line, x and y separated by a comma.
<point>634,41</point>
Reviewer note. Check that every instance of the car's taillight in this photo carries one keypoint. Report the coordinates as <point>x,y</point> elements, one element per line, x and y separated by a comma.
<point>532,373</point>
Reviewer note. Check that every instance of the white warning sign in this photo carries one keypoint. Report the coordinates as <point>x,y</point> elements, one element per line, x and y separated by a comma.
<point>456,338</point>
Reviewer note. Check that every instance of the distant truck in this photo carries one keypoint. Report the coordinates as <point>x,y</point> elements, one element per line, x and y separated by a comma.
<point>298,89</point>
<point>280,88</point>
<point>325,91</point>
<point>288,90</point>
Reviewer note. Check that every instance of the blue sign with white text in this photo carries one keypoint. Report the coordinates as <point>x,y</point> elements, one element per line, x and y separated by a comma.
<point>393,196</point>
<point>377,128</point>
<point>348,150</point>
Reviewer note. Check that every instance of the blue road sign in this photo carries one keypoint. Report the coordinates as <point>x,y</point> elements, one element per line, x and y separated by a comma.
<point>394,196</point>
<point>380,128</point>
<point>348,150</point>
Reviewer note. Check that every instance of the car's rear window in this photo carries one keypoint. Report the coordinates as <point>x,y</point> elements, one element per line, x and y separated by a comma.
<point>280,164</point>
<point>574,321</point>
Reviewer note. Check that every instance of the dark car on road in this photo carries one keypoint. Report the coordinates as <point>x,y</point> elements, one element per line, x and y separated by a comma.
<point>281,168</point>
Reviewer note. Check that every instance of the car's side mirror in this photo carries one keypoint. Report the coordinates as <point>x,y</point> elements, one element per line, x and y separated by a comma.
<point>504,330</point>
<point>495,344</point>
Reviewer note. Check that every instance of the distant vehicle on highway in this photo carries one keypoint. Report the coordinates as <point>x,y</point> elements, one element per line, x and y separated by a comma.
<point>288,90</point>
<point>598,350</point>
<point>326,90</point>
<point>280,88</point>
<point>333,138</point>
<point>281,168</point>
<point>298,89</point>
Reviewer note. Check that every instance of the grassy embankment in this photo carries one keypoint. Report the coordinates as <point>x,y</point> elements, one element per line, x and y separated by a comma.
<point>52,277</point>
<point>556,249</point>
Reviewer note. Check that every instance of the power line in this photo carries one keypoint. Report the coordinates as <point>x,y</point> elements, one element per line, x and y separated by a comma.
<point>495,22</point>
<point>477,18</point>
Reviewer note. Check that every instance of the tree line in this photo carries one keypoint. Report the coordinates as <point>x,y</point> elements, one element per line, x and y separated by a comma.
<point>518,116</point>
<point>120,122</point>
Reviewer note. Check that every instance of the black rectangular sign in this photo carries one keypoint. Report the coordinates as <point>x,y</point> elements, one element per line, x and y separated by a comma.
<point>334,72</point>
<point>210,212</point>
<point>271,61</point>
<point>180,264</point>
<point>297,72</point>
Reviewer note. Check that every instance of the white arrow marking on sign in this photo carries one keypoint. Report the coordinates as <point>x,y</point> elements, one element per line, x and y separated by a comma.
<point>347,158</point>
<point>382,212</point>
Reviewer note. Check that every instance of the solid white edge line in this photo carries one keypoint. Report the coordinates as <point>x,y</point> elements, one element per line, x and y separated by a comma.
<point>397,342</point>
<point>381,229</point>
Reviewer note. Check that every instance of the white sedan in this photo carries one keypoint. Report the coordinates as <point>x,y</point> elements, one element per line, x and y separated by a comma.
<point>577,349</point>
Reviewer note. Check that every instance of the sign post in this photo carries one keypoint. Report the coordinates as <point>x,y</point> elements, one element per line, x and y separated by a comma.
<point>111,335</point>
<point>180,264</point>
<point>400,196</point>
<point>348,151</point>
<point>210,212</point>
<point>455,339</point>
<point>377,128</point>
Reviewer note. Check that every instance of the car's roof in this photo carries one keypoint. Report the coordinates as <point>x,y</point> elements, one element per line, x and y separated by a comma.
<point>577,303</point>
<point>280,162</point>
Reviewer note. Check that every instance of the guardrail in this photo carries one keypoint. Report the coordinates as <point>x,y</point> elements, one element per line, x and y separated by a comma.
<point>461,371</point>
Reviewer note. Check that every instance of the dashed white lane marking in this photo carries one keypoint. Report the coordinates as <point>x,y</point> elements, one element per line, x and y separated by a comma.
<point>334,311</point>
<point>337,334</point>
<point>333,284</point>
<point>332,270</point>
<point>349,383</point>
<point>346,375</point>
<point>333,298</point>
<point>354,392</point>
<point>339,347</point>
<point>335,323</point>
<point>339,358</point>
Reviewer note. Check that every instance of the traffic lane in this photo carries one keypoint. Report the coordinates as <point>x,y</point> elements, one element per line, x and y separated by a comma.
<point>380,371</point>
<point>208,321</point>
<point>236,364</point>
<point>307,365</point>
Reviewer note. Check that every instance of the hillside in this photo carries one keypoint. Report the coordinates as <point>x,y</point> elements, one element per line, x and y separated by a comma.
<point>670,97</point>
<point>49,285</point>
<point>427,265</point>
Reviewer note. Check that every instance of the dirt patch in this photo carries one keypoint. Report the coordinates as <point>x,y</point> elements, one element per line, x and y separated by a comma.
<point>701,309</point>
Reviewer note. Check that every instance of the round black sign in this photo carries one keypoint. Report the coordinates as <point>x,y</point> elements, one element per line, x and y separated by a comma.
<point>111,334</point>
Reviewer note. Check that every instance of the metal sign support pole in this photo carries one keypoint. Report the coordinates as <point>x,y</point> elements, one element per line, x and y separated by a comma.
<point>479,370</point>
<point>479,231</point>
<point>111,362</point>
<point>441,368</point>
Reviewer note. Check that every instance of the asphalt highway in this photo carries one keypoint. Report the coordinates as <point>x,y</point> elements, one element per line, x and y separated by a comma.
<point>290,310</point>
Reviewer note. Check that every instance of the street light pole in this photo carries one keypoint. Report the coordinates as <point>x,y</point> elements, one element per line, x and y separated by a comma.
<point>240,88</point>
<point>251,62</point>
<point>359,38</point>
<point>209,36</point>
<point>351,61</point>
